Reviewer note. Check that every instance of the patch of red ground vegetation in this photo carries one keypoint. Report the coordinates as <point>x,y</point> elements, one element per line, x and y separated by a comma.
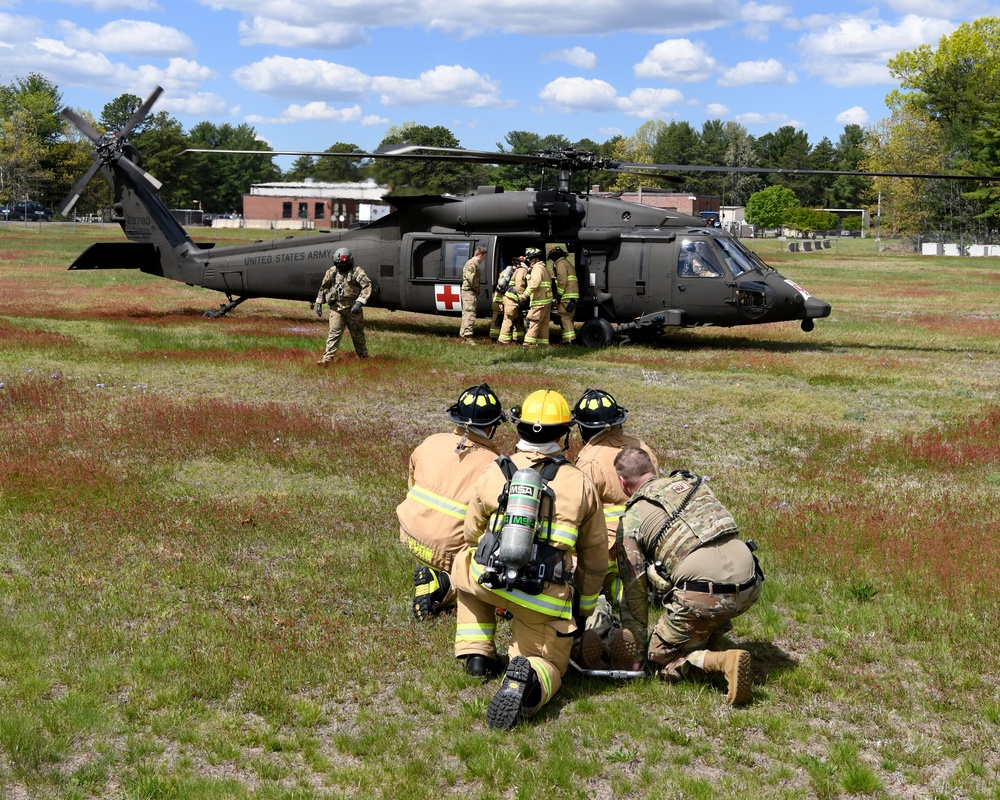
<point>13,336</point>
<point>960,324</point>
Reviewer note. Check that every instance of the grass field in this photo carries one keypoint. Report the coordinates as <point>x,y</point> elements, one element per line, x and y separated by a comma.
<point>202,593</point>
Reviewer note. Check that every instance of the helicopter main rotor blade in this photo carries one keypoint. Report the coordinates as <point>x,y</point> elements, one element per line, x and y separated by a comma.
<point>138,171</point>
<point>793,171</point>
<point>74,194</point>
<point>81,124</point>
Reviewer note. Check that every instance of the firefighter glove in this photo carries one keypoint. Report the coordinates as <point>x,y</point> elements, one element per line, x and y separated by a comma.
<point>571,306</point>
<point>356,308</point>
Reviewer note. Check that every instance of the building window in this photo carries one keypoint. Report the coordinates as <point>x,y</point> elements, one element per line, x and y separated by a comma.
<point>303,211</point>
<point>286,209</point>
<point>320,211</point>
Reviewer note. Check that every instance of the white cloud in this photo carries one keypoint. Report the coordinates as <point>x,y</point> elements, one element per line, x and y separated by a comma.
<point>716,110</point>
<point>449,85</point>
<point>753,73</point>
<point>854,51</point>
<point>280,76</point>
<point>310,112</point>
<point>574,56</point>
<point>129,36</point>
<point>197,104</point>
<point>855,115</point>
<point>769,120</point>
<point>373,119</point>
<point>116,5</point>
<point>677,60</point>
<point>319,35</point>
<point>582,94</point>
<point>18,29</point>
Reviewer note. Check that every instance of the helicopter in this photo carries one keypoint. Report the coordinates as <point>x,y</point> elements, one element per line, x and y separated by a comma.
<point>640,269</point>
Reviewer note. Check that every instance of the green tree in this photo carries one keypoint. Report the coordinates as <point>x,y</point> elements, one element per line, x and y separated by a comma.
<point>221,180</point>
<point>741,151</point>
<point>425,176</point>
<point>808,220</point>
<point>29,125</point>
<point>849,191</point>
<point>767,208</point>
<point>787,148</point>
<point>161,143</point>
<point>117,113</point>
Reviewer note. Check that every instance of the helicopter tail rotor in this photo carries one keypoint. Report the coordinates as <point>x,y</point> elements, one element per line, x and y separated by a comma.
<point>110,149</point>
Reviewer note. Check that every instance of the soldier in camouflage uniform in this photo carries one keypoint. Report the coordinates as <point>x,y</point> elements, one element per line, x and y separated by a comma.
<point>470,294</point>
<point>679,539</point>
<point>345,288</point>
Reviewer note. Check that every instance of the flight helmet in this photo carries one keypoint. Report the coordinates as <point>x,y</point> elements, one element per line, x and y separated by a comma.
<point>478,406</point>
<point>343,260</point>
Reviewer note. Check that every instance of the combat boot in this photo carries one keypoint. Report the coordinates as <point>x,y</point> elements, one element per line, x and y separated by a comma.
<point>430,588</point>
<point>588,650</point>
<point>623,650</point>
<point>735,665</point>
<point>520,695</point>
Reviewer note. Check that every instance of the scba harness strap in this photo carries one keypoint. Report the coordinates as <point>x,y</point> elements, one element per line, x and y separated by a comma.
<point>547,563</point>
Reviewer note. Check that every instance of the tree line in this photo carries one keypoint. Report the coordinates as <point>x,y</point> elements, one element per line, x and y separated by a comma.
<point>943,117</point>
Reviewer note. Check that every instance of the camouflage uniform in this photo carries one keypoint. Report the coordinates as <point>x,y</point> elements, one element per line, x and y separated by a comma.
<point>540,296</point>
<point>513,325</point>
<point>566,289</point>
<point>699,544</point>
<point>597,461</point>
<point>470,294</point>
<point>432,515</point>
<point>543,624</point>
<point>340,290</point>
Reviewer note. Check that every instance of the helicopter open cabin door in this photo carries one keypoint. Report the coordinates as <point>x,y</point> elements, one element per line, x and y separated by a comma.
<point>434,273</point>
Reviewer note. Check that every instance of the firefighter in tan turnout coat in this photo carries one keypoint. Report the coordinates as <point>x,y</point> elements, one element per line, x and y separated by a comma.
<point>542,594</point>
<point>443,469</point>
<point>677,538</point>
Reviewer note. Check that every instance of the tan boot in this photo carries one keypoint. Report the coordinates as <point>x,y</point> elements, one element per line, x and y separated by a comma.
<point>623,650</point>
<point>589,651</point>
<point>735,664</point>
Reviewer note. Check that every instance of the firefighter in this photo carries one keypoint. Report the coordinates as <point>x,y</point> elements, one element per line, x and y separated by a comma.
<point>677,539</point>
<point>546,600</point>
<point>345,288</point>
<point>599,419</point>
<point>443,469</point>
<point>539,294</point>
<point>566,290</point>
<point>512,331</point>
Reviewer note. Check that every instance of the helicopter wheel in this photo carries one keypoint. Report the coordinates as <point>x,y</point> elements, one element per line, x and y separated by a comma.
<point>597,332</point>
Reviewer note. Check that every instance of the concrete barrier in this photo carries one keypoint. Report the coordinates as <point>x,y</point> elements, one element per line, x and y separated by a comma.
<point>793,247</point>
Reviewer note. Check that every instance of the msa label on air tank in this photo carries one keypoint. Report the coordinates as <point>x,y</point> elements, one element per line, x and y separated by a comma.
<point>288,258</point>
<point>522,488</point>
<point>799,289</point>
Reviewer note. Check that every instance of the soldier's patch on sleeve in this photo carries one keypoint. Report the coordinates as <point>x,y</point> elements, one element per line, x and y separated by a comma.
<point>680,487</point>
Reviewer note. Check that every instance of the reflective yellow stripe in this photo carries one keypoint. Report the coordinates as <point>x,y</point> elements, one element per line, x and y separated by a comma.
<point>543,604</point>
<point>612,514</point>
<point>475,632</point>
<point>435,501</point>
<point>563,534</point>
<point>588,602</point>
<point>537,664</point>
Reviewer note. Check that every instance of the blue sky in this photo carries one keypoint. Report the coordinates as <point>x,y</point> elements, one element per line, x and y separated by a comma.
<point>307,74</point>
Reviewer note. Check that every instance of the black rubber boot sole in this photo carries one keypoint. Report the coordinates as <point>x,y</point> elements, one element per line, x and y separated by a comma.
<point>505,707</point>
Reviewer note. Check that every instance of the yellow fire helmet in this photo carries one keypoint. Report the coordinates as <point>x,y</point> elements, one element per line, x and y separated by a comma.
<point>542,408</point>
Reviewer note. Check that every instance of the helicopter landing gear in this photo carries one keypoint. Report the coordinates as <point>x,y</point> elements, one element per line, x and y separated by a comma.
<point>808,325</point>
<point>225,308</point>
<point>597,332</point>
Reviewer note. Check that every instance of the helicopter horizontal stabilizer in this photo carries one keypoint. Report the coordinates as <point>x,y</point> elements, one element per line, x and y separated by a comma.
<point>142,256</point>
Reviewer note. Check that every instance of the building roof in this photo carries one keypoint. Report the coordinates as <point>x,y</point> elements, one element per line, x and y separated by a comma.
<point>367,190</point>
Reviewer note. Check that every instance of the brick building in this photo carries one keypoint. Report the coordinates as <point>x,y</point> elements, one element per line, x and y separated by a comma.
<point>312,204</point>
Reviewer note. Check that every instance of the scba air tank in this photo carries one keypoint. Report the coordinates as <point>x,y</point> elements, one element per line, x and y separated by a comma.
<point>520,521</point>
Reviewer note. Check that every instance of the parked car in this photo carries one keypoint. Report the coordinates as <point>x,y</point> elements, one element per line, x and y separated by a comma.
<point>31,210</point>
<point>6,212</point>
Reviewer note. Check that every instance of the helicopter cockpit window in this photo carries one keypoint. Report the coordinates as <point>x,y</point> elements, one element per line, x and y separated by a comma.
<point>696,260</point>
<point>740,259</point>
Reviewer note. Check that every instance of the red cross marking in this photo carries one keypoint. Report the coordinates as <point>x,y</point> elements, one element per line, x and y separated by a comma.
<point>447,297</point>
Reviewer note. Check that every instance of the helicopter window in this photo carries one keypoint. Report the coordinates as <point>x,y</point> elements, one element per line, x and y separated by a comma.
<point>286,209</point>
<point>739,258</point>
<point>455,256</point>
<point>696,260</point>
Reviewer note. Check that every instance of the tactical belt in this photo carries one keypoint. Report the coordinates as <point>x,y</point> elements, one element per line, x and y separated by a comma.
<point>708,587</point>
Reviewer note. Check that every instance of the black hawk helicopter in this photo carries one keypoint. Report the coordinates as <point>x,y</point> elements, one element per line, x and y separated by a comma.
<point>640,269</point>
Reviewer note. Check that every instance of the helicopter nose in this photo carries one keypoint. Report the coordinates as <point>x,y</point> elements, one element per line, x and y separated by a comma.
<point>816,308</point>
